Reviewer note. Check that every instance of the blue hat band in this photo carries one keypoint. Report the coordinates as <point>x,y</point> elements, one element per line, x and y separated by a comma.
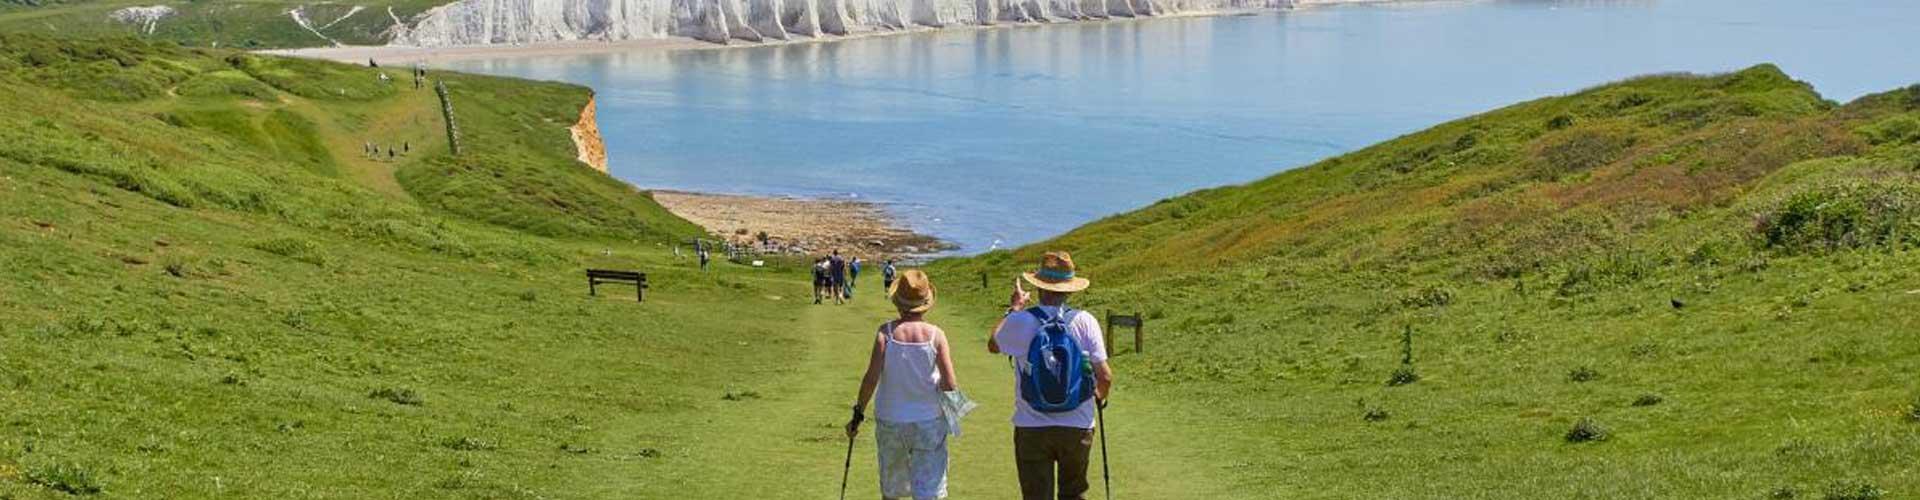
<point>1054,275</point>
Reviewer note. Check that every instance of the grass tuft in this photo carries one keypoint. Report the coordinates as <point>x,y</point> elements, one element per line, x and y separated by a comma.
<point>466,443</point>
<point>66,478</point>
<point>401,396</point>
<point>1403,375</point>
<point>1587,430</point>
<point>1853,490</point>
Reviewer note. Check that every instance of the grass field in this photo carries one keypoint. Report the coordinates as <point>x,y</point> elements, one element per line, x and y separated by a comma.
<point>1667,287</point>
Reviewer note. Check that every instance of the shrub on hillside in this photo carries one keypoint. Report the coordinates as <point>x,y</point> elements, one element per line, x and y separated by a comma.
<point>1895,130</point>
<point>107,81</point>
<point>1913,412</point>
<point>293,248</point>
<point>223,84</point>
<point>1843,215</point>
<point>1580,150</point>
<point>1428,296</point>
<point>314,79</point>
<point>1648,399</point>
<point>1583,374</point>
<point>1587,430</point>
<point>1613,269</point>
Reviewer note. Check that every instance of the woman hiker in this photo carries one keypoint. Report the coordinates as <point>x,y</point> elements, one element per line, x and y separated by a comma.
<point>909,377</point>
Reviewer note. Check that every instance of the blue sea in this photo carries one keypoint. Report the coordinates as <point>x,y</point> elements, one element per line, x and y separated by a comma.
<point>1010,135</point>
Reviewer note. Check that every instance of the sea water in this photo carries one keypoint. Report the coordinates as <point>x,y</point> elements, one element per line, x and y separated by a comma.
<point>1010,135</point>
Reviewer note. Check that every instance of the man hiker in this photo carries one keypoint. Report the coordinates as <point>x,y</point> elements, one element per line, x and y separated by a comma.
<point>700,250</point>
<point>837,271</point>
<point>1062,379</point>
<point>853,275</point>
<point>886,275</point>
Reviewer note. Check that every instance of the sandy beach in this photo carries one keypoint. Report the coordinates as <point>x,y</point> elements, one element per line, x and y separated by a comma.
<point>800,225</point>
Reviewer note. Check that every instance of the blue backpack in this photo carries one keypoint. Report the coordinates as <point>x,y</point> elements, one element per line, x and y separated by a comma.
<point>1054,380</point>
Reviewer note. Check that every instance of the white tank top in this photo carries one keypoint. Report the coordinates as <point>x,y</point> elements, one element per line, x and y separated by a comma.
<point>909,383</point>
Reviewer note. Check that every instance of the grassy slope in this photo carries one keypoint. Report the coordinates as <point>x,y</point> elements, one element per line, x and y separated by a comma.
<point>206,292</point>
<point>216,296</point>
<point>1522,246</point>
<point>203,284</point>
<point>251,24</point>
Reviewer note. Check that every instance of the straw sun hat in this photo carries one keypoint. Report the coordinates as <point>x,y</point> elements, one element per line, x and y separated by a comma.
<point>1056,274</point>
<point>913,292</point>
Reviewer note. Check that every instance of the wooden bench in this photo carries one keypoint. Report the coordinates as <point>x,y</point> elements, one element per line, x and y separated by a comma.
<point>598,276</point>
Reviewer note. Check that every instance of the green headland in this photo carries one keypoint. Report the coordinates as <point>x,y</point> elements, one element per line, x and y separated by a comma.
<point>1671,286</point>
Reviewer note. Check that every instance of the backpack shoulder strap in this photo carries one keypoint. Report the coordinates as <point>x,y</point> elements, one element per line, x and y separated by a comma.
<point>1040,314</point>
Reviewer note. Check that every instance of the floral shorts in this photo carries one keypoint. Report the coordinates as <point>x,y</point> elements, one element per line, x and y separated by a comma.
<point>913,459</point>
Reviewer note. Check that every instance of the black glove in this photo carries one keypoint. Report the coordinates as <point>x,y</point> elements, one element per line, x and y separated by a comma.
<point>853,424</point>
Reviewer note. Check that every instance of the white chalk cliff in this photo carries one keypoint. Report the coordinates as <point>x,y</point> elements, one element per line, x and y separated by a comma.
<point>487,22</point>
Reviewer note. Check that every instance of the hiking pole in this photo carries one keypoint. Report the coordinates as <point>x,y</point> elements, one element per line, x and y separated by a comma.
<point>1106,475</point>
<point>858,416</point>
<point>847,469</point>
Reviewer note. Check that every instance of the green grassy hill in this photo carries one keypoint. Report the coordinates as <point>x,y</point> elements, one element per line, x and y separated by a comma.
<point>1721,272</point>
<point>208,290</point>
<point>253,24</point>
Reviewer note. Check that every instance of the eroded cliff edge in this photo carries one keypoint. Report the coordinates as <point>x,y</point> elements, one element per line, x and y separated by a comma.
<point>586,138</point>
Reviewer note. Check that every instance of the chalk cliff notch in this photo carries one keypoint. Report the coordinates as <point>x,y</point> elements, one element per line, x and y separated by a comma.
<point>586,138</point>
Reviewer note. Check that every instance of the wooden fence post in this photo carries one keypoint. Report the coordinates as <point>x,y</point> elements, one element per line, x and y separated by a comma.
<point>1139,338</point>
<point>1106,334</point>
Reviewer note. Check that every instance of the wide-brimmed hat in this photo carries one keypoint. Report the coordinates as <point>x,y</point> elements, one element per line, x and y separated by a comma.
<point>1056,274</point>
<point>912,292</point>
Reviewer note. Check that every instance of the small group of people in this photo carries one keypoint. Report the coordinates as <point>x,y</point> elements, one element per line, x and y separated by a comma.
<point>372,151</point>
<point>1062,383</point>
<point>835,276</point>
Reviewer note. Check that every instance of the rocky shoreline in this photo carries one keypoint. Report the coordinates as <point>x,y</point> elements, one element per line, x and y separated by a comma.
<point>802,226</point>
